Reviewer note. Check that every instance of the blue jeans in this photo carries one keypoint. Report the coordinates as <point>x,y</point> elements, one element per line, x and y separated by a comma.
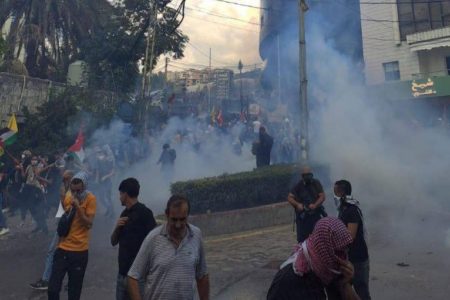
<point>2,217</point>
<point>49,259</point>
<point>122,288</point>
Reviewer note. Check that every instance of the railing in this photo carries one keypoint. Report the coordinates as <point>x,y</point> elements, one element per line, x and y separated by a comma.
<point>445,72</point>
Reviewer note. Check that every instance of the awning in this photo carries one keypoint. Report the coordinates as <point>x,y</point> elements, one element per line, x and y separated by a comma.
<point>427,40</point>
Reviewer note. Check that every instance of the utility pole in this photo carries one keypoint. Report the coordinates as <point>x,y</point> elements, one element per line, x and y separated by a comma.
<point>240,67</point>
<point>165,70</point>
<point>279,67</point>
<point>304,113</point>
<point>148,62</point>
<point>210,59</point>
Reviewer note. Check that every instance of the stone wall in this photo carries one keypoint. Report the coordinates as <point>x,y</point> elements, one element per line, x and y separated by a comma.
<point>17,91</point>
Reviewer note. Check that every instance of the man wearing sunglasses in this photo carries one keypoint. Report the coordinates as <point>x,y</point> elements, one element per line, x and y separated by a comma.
<point>170,259</point>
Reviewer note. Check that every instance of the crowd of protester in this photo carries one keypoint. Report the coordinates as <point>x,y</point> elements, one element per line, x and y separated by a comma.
<point>331,257</point>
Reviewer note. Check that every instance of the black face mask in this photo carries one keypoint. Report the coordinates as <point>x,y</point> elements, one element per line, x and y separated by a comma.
<point>307,177</point>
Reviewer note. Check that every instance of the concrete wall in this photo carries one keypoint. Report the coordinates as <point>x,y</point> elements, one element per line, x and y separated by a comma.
<point>244,219</point>
<point>17,91</point>
<point>381,43</point>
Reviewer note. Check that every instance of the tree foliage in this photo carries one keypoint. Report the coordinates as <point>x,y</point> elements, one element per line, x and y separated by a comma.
<point>55,124</point>
<point>50,32</point>
<point>2,47</point>
<point>115,56</point>
<point>111,39</point>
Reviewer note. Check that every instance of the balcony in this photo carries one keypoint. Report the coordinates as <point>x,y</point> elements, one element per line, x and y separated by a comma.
<point>427,40</point>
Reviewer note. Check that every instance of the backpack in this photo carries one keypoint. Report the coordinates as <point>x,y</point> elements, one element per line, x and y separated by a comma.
<point>65,222</point>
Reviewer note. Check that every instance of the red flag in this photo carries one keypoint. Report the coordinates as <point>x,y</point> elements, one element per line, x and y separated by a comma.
<point>220,118</point>
<point>79,142</point>
<point>77,148</point>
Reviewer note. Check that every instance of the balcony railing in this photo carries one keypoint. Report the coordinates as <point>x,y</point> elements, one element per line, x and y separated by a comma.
<point>444,72</point>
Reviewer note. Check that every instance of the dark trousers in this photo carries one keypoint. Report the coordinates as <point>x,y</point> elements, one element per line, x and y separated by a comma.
<point>361,279</point>
<point>74,264</point>
<point>104,196</point>
<point>35,201</point>
<point>305,225</point>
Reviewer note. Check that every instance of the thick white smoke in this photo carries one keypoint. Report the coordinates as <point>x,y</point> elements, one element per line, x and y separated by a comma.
<point>398,171</point>
<point>215,156</point>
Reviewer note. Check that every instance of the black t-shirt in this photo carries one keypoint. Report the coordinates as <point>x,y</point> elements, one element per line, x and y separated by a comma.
<point>140,223</point>
<point>350,213</point>
<point>307,193</point>
<point>287,285</point>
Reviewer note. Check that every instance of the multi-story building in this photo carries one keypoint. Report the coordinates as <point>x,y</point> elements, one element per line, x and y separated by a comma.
<point>407,52</point>
<point>405,40</point>
<point>191,77</point>
<point>223,79</point>
<point>339,23</point>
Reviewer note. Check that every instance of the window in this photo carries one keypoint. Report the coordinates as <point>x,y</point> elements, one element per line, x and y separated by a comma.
<point>391,71</point>
<point>422,15</point>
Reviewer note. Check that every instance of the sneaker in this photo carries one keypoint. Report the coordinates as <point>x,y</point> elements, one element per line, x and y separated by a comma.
<point>5,210</point>
<point>41,285</point>
<point>4,231</point>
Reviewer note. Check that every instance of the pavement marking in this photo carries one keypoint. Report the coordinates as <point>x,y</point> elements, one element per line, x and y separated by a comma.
<point>247,234</point>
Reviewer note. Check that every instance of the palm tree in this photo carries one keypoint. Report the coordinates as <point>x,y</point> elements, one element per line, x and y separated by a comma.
<point>49,33</point>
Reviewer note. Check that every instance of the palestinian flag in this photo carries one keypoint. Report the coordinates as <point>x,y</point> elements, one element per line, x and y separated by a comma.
<point>8,135</point>
<point>76,150</point>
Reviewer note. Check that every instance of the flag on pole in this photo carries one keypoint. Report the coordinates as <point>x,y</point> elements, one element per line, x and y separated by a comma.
<point>8,135</point>
<point>76,150</point>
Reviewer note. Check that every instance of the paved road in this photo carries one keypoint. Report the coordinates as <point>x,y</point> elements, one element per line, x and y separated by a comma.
<point>241,265</point>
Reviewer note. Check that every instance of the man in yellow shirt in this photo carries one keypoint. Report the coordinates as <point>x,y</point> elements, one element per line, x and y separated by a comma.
<point>71,256</point>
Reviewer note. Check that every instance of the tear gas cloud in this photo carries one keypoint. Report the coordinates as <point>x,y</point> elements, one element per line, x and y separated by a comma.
<point>214,156</point>
<point>398,170</point>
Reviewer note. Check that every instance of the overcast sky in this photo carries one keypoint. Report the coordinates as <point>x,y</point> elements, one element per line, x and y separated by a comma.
<point>229,40</point>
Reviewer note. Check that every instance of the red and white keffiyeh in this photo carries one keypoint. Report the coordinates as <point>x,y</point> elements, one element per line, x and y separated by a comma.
<point>329,240</point>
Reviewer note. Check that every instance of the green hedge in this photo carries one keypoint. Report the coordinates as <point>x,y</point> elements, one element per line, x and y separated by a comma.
<point>242,190</point>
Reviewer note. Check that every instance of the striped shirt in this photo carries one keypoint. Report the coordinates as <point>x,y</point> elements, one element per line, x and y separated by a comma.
<point>169,272</point>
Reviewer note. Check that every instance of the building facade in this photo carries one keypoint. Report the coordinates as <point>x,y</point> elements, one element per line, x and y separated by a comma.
<point>405,40</point>
<point>407,56</point>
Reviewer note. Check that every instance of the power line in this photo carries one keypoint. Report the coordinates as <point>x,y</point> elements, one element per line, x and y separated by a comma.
<point>223,24</point>
<point>222,16</point>
<point>244,5</point>
<point>234,66</point>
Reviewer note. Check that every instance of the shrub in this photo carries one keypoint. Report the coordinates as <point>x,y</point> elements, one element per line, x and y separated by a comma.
<point>243,190</point>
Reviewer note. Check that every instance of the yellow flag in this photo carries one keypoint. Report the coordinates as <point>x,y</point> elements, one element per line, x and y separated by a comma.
<point>12,124</point>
